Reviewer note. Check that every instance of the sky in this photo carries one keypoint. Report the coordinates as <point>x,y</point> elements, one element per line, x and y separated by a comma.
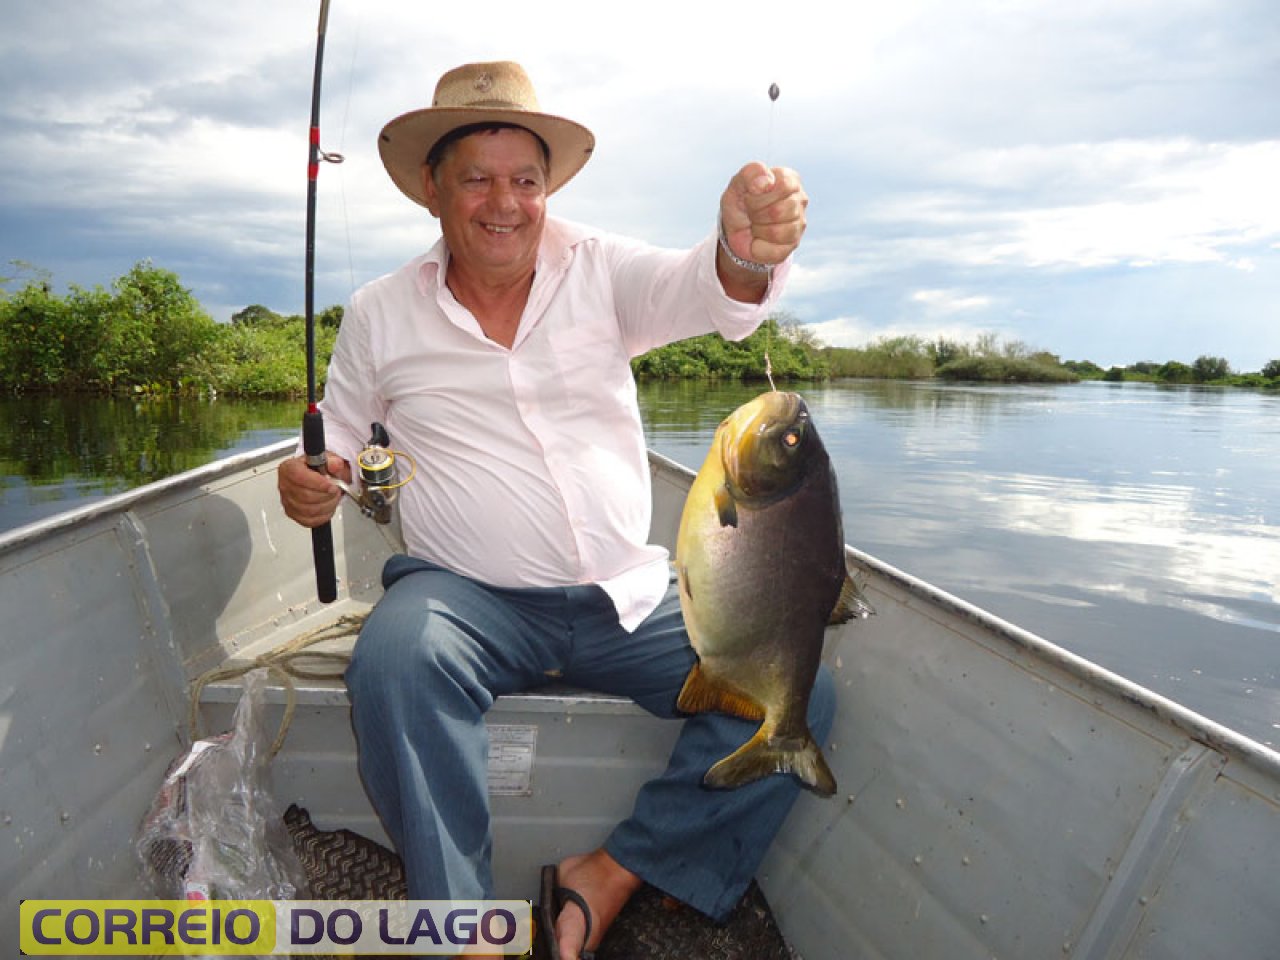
<point>1096,179</point>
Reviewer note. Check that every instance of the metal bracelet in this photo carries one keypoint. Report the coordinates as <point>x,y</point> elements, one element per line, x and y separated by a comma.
<point>737,260</point>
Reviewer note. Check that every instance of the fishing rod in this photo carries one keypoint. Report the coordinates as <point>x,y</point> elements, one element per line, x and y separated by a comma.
<point>379,466</point>
<point>313,442</point>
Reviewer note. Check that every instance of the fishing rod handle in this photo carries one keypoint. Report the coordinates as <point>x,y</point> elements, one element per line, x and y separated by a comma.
<point>321,536</point>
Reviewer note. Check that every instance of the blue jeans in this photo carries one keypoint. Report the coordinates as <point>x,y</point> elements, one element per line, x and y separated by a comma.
<point>438,649</point>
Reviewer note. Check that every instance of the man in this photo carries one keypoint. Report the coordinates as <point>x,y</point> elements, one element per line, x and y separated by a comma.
<point>500,361</point>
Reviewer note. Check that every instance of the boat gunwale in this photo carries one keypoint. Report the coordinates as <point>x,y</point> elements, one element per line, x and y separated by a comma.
<point>122,502</point>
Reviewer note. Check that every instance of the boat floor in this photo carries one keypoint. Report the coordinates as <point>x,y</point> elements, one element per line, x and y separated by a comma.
<point>341,864</point>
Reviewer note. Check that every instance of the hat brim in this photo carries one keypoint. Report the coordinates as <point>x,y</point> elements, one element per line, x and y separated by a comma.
<point>404,142</point>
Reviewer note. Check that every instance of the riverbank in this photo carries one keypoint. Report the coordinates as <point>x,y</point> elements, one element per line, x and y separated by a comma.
<point>148,335</point>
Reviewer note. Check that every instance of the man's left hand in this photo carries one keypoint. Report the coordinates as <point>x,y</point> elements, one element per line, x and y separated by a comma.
<point>763,212</point>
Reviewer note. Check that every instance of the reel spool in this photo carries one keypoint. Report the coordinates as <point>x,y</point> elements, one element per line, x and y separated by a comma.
<point>377,466</point>
<point>380,483</point>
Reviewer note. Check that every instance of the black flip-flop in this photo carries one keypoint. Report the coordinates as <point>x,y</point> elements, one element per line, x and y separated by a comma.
<point>551,900</point>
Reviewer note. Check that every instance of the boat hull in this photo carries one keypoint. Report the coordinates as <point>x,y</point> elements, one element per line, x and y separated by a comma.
<point>1000,796</point>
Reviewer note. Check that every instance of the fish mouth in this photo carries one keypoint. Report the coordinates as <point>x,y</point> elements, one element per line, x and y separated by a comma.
<point>764,445</point>
<point>768,408</point>
<point>783,405</point>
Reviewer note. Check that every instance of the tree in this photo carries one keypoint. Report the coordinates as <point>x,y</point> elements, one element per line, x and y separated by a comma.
<point>1086,368</point>
<point>171,329</point>
<point>1272,370</point>
<point>32,334</point>
<point>255,315</point>
<point>88,362</point>
<point>1207,369</point>
<point>1174,372</point>
<point>944,351</point>
<point>987,344</point>
<point>33,274</point>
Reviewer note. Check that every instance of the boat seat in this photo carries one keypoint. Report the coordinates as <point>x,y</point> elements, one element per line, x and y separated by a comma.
<point>565,764</point>
<point>556,696</point>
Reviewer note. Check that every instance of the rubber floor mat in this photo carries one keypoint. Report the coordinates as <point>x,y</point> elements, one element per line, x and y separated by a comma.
<point>341,864</point>
<point>654,927</point>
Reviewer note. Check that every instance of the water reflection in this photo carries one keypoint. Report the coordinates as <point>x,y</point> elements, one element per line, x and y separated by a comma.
<point>1138,526</point>
<point>1206,555</point>
<point>58,452</point>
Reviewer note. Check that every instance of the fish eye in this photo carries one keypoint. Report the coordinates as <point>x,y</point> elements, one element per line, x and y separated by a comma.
<point>791,438</point>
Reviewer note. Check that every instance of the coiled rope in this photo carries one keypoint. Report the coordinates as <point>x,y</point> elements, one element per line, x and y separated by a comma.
<point>290,661</point>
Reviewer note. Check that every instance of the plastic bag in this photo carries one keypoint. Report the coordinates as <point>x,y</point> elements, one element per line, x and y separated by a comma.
<point>214,830</point>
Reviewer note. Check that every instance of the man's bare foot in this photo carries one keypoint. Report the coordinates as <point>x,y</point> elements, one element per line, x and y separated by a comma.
<point>606,885</point>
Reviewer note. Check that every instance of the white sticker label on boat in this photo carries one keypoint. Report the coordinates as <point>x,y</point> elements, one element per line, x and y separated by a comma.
<point>511,750</point>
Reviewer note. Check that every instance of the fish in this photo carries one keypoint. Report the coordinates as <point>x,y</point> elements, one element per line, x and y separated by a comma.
<point>761,571</point>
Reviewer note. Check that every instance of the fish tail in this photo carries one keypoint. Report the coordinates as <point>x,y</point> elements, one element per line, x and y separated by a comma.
<point>761,756</point>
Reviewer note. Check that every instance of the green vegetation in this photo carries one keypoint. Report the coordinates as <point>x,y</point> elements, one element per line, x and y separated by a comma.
<point>987,359</point>
<point>888,358</point>
<point>1206,370</point>
<point>148,335</point>
<point>793,354</point>
<point>262,352</point>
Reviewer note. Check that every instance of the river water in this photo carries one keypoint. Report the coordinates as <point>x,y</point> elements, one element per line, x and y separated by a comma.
<point>1136,525</point>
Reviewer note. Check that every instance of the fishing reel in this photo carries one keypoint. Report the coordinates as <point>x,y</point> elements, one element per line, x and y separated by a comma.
<point>378,469</point>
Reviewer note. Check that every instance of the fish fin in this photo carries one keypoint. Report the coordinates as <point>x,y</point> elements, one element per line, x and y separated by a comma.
<point>759,757</point>
<point>726,509</point>
<point>701,694</point>
<point>852,604</point>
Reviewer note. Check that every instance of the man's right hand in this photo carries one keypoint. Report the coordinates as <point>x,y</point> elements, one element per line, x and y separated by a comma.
<point>308,496</point>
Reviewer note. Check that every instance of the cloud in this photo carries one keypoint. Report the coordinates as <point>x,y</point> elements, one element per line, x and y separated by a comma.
<point>860,332</point>
<point>1091,205</point>
<point>1093,177</point>
<point>949,301</point>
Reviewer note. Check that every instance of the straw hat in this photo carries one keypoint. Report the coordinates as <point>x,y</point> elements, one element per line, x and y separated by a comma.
<point>480,93</point>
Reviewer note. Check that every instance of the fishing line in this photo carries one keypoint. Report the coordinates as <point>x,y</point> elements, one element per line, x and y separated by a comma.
<point>342,140</point>
<point>773,109</point>
<point>768,155</point>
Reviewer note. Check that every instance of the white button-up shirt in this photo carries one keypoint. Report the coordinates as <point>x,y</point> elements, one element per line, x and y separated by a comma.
<point>531,460</point>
